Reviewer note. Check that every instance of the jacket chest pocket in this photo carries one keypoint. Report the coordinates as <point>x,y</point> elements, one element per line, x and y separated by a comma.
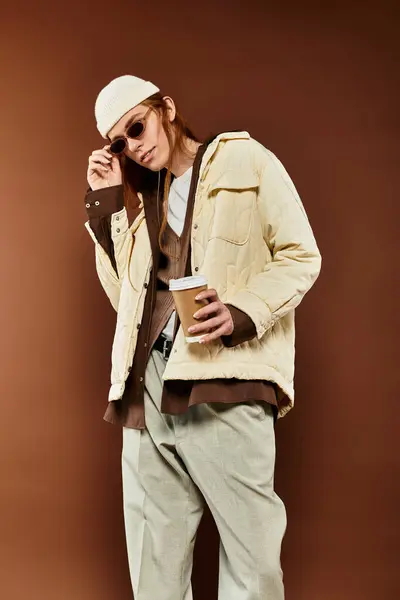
<point>234,197</point>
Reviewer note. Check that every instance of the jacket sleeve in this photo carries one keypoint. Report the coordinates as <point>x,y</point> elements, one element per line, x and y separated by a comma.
<point>100,206</point>
<point>244,329</point>
<point>108,227</point>
<point>296,260</point>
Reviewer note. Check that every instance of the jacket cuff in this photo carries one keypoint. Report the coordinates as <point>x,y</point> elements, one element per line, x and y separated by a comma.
<point>244,329</point>
<point>104,202</point>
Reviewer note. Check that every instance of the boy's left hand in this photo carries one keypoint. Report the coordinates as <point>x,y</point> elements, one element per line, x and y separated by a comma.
<point>221,322</point>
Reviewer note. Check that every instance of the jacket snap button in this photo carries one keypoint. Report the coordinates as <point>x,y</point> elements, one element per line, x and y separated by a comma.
<point>140,379</point>
<point>196,268</point>
<point>118,230</point>
<point>138,325</point>
<point>195,226</point>
<point>145,286</point>
<point>117,218</point>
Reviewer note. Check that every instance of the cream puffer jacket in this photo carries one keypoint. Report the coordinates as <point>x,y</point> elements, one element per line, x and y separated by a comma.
<point>252,240</point>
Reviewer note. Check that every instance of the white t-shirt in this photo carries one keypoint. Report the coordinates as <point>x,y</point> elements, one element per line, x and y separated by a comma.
<point>177,205</point>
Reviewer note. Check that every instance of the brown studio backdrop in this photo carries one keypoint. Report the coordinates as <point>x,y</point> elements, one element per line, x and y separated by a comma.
<point>319,86</point>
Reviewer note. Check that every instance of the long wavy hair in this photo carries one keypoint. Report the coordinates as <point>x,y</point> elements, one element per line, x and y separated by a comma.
<point>139,179</point>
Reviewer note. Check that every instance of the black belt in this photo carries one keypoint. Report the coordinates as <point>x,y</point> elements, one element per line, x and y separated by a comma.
<point>163,345</point>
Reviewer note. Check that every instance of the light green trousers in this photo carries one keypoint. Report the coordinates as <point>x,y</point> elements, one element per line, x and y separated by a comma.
<point>221,454</point>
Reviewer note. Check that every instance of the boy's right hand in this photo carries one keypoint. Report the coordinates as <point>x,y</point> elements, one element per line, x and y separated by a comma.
<point>104,169</point>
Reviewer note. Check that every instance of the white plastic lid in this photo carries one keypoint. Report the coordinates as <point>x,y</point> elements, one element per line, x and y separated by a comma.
<point>187,283</point>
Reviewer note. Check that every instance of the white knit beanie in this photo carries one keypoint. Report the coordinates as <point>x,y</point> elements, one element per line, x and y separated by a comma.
<point>119,97</point>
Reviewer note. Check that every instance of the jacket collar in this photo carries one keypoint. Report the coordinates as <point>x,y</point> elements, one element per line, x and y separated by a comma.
<point>213,146</point>
<point>233,135</point>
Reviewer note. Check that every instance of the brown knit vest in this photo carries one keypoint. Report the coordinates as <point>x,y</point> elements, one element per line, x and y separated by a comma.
<point>170,267</point>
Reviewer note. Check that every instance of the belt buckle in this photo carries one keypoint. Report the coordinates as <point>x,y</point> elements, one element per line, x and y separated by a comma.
<point>165,351</point>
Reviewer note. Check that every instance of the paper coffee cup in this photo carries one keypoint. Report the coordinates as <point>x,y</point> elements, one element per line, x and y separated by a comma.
<point>184,291</point>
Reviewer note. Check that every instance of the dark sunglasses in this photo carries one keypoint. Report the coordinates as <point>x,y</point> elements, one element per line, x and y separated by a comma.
<point>134,131</point>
